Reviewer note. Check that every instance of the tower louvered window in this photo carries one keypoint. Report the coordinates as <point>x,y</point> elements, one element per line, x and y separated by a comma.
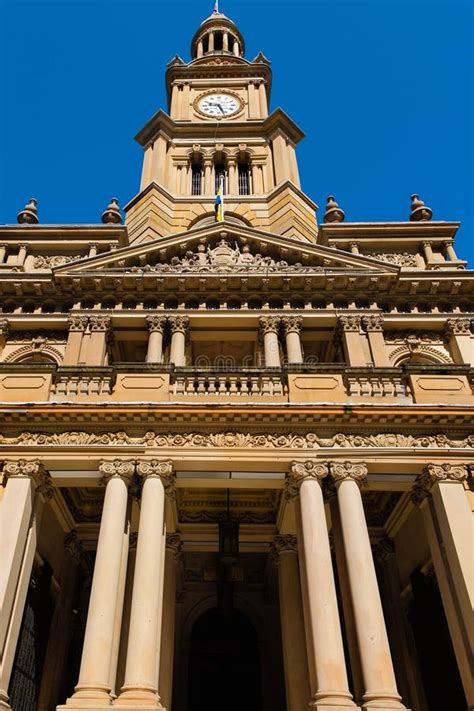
<point>244,179</point>
<point>196,179</point>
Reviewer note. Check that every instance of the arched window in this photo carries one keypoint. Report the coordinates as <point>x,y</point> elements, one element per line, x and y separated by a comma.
<point>244,178</point>
<point>196,177</point>
<point>218,42</point>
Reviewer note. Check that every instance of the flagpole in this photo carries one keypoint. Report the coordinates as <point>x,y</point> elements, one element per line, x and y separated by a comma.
<point>222,198</point>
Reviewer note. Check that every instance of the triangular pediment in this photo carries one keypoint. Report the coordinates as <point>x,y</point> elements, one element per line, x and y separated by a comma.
<point>226,248</point>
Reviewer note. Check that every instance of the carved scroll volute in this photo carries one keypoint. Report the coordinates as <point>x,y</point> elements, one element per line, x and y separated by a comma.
<point>300,472</point>
<point>162,468</point>
<point>355,471</point>
<point>32,469</point>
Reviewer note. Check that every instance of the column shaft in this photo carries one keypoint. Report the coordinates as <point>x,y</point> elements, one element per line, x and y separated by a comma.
<point>173,547</point>
<point>270,326</point>
<point>179,326</point>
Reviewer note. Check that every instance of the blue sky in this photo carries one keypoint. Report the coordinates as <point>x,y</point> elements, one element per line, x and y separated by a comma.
<point>382,89</point>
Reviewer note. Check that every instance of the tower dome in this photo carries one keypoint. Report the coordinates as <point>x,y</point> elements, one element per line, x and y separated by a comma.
<point>217,35</point>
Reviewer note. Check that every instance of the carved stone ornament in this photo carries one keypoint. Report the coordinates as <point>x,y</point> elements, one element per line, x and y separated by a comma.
<point>174,543</point>
<point>285,544</point>
<point>54,260</point>
<point>156,323</point>
<point>123,468</point>
<point>384,549</point>
<point>373,323</point>
<point>179,324</point>
<point>34,470</point>
<point>458,327</point>
<point>162,468</point>
<point>404,259</point>
<point>232,439</point>
<point>349,323</point>
<point>299,472</point>
<point>74,547</point>
<point>292,324</point>
<point>100,323</point>
<point>78,322</point>
<point>4,327</point>
<point>355,471</point>
<point>270,324</point>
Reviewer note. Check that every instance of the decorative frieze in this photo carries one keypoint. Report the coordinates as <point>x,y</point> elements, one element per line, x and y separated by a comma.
<point>56,260</point>
<point>32,469</point>
<point>309,440</point>
<point>400,259</point>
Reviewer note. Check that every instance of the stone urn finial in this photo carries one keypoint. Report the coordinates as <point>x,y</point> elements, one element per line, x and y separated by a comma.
<point>29,214</point>
<point>112,213</point>
<point>419,211</point>
<point>333,212</point>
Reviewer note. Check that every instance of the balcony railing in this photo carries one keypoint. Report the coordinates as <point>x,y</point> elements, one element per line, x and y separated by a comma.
<point>324,383</point>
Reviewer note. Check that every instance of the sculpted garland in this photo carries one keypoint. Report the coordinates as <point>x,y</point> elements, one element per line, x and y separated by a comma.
<point>309,440</point>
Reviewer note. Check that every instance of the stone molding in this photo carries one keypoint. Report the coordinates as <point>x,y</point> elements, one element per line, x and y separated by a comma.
<point>373,323</point>
<point>300,472</point>
<point>458,327</point>
<point>341,471</point>
<point>178,324</point>
<point>435,473</point>
<point>162,468</point>
<point>32,469</point>
<point>78,322</point>
<point>292,324</point>
<point>122,468</point>
<point>270,324</point>
<point>156,323</point>
<point>234,439</point>
<point>349,323</point>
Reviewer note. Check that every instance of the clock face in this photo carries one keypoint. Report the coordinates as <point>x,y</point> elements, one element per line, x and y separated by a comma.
<point>219,105</point>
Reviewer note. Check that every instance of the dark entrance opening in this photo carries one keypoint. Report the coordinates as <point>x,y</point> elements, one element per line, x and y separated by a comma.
<point>224,664</point>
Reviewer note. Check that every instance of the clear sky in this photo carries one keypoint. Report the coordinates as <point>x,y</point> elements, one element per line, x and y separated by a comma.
<point>382,89</point>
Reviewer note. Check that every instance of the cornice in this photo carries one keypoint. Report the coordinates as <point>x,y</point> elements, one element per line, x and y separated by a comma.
<point>360,231</point>
<point>42,232</point>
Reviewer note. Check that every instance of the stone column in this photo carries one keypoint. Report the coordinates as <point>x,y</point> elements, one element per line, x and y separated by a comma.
<point>236,48</point>
<point>100,333</point>
<point>373,325</point>
<point>352,340</point>
<point>141,672</point>
<point>429,256</point>
<point>77,327</point>
<point>208,175</point>
<point>461,340</point>
<point>22,252</point>
<point>92,249</point>
<point>270,326</point>
<point>28,488</point>
<point>4,331</point>
<point>93,688</point>
<point>179,327</point>
<point>298,692</point>
<point>200,51</point>
<point>172,555</point>
<point>211,42</point>
<point>376,661</point>
<point>156,326</point>
<point>450,251</point>
<point>354,248</point>
<point>327,667</point>
<point>225,41</point>
<point>3,253</point>
<point>440,494</point>
<point>232,168</point>
<point>292,329</point>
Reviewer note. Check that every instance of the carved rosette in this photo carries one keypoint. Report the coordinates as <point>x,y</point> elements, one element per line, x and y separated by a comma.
<point>162,468</point>
<point>458,327</point>
<point>78,322</point>
<point>178,324</point>
<point>355,471</point>
<point>299,472</point>
<point>270,324</point>
<point>156,323</point>
<point>122,468</point>
<point>373,323</point>
<point>349,323</point>
<point>32,469</point>
<point>4,327</point>
<point>100,323</point>
<point>174,544</point>
<point>74,547</point>
<point>292,324</point>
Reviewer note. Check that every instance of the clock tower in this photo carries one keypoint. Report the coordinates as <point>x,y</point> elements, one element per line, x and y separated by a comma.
<point>219,128</point>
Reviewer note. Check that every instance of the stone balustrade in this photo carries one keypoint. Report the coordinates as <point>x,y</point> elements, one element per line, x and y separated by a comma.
<point>244,385</point>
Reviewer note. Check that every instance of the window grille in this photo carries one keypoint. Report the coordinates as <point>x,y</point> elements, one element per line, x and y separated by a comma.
<point>196,179</point>
<point>244,179</point>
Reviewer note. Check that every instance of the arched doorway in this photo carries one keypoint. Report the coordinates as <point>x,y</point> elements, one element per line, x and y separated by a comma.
<point>224,664</point>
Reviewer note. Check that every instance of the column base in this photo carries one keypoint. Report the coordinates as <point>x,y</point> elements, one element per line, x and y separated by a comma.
<point>83,706</point>
<point>136,700</point>
<point>381,704</point>
<point>341,702</point>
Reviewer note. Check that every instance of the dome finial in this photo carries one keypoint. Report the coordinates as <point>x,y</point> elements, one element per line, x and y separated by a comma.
<point>333,212</point>
<point>216,7</point>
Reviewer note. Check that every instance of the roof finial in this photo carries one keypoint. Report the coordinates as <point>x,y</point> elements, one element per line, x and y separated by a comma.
<point>216,7</point>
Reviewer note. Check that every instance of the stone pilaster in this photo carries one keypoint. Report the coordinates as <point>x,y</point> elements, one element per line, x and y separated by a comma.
<point>459,334</point>
<point>174,546</point>
<point>373,326</point>
<point>77,327</point>
<point>349,331</point>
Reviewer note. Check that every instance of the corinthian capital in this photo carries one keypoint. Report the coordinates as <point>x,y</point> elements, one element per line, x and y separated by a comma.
<point>156,323</point>
<point>373,322</point>
<point>270,324</point>
<point>299,472</point>
<point>122,468</point>
<point>434,473</point>
<point>349,323</point>
<point>162,468</point>
<point>4,327</point>
<point>32,469</point>
<point>341,471</point>
<point>100,323</point>
<point>285,544</point>
<point>292,324</point>
<point>458,327</point>
<point>178,324</point>
<point>174,543</point>
<point>78,322</point>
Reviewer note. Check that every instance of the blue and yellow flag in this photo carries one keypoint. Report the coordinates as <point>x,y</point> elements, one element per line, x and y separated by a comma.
<point>219,204</point>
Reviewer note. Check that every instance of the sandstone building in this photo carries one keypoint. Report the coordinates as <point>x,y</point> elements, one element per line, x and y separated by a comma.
<point>236,456</point>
